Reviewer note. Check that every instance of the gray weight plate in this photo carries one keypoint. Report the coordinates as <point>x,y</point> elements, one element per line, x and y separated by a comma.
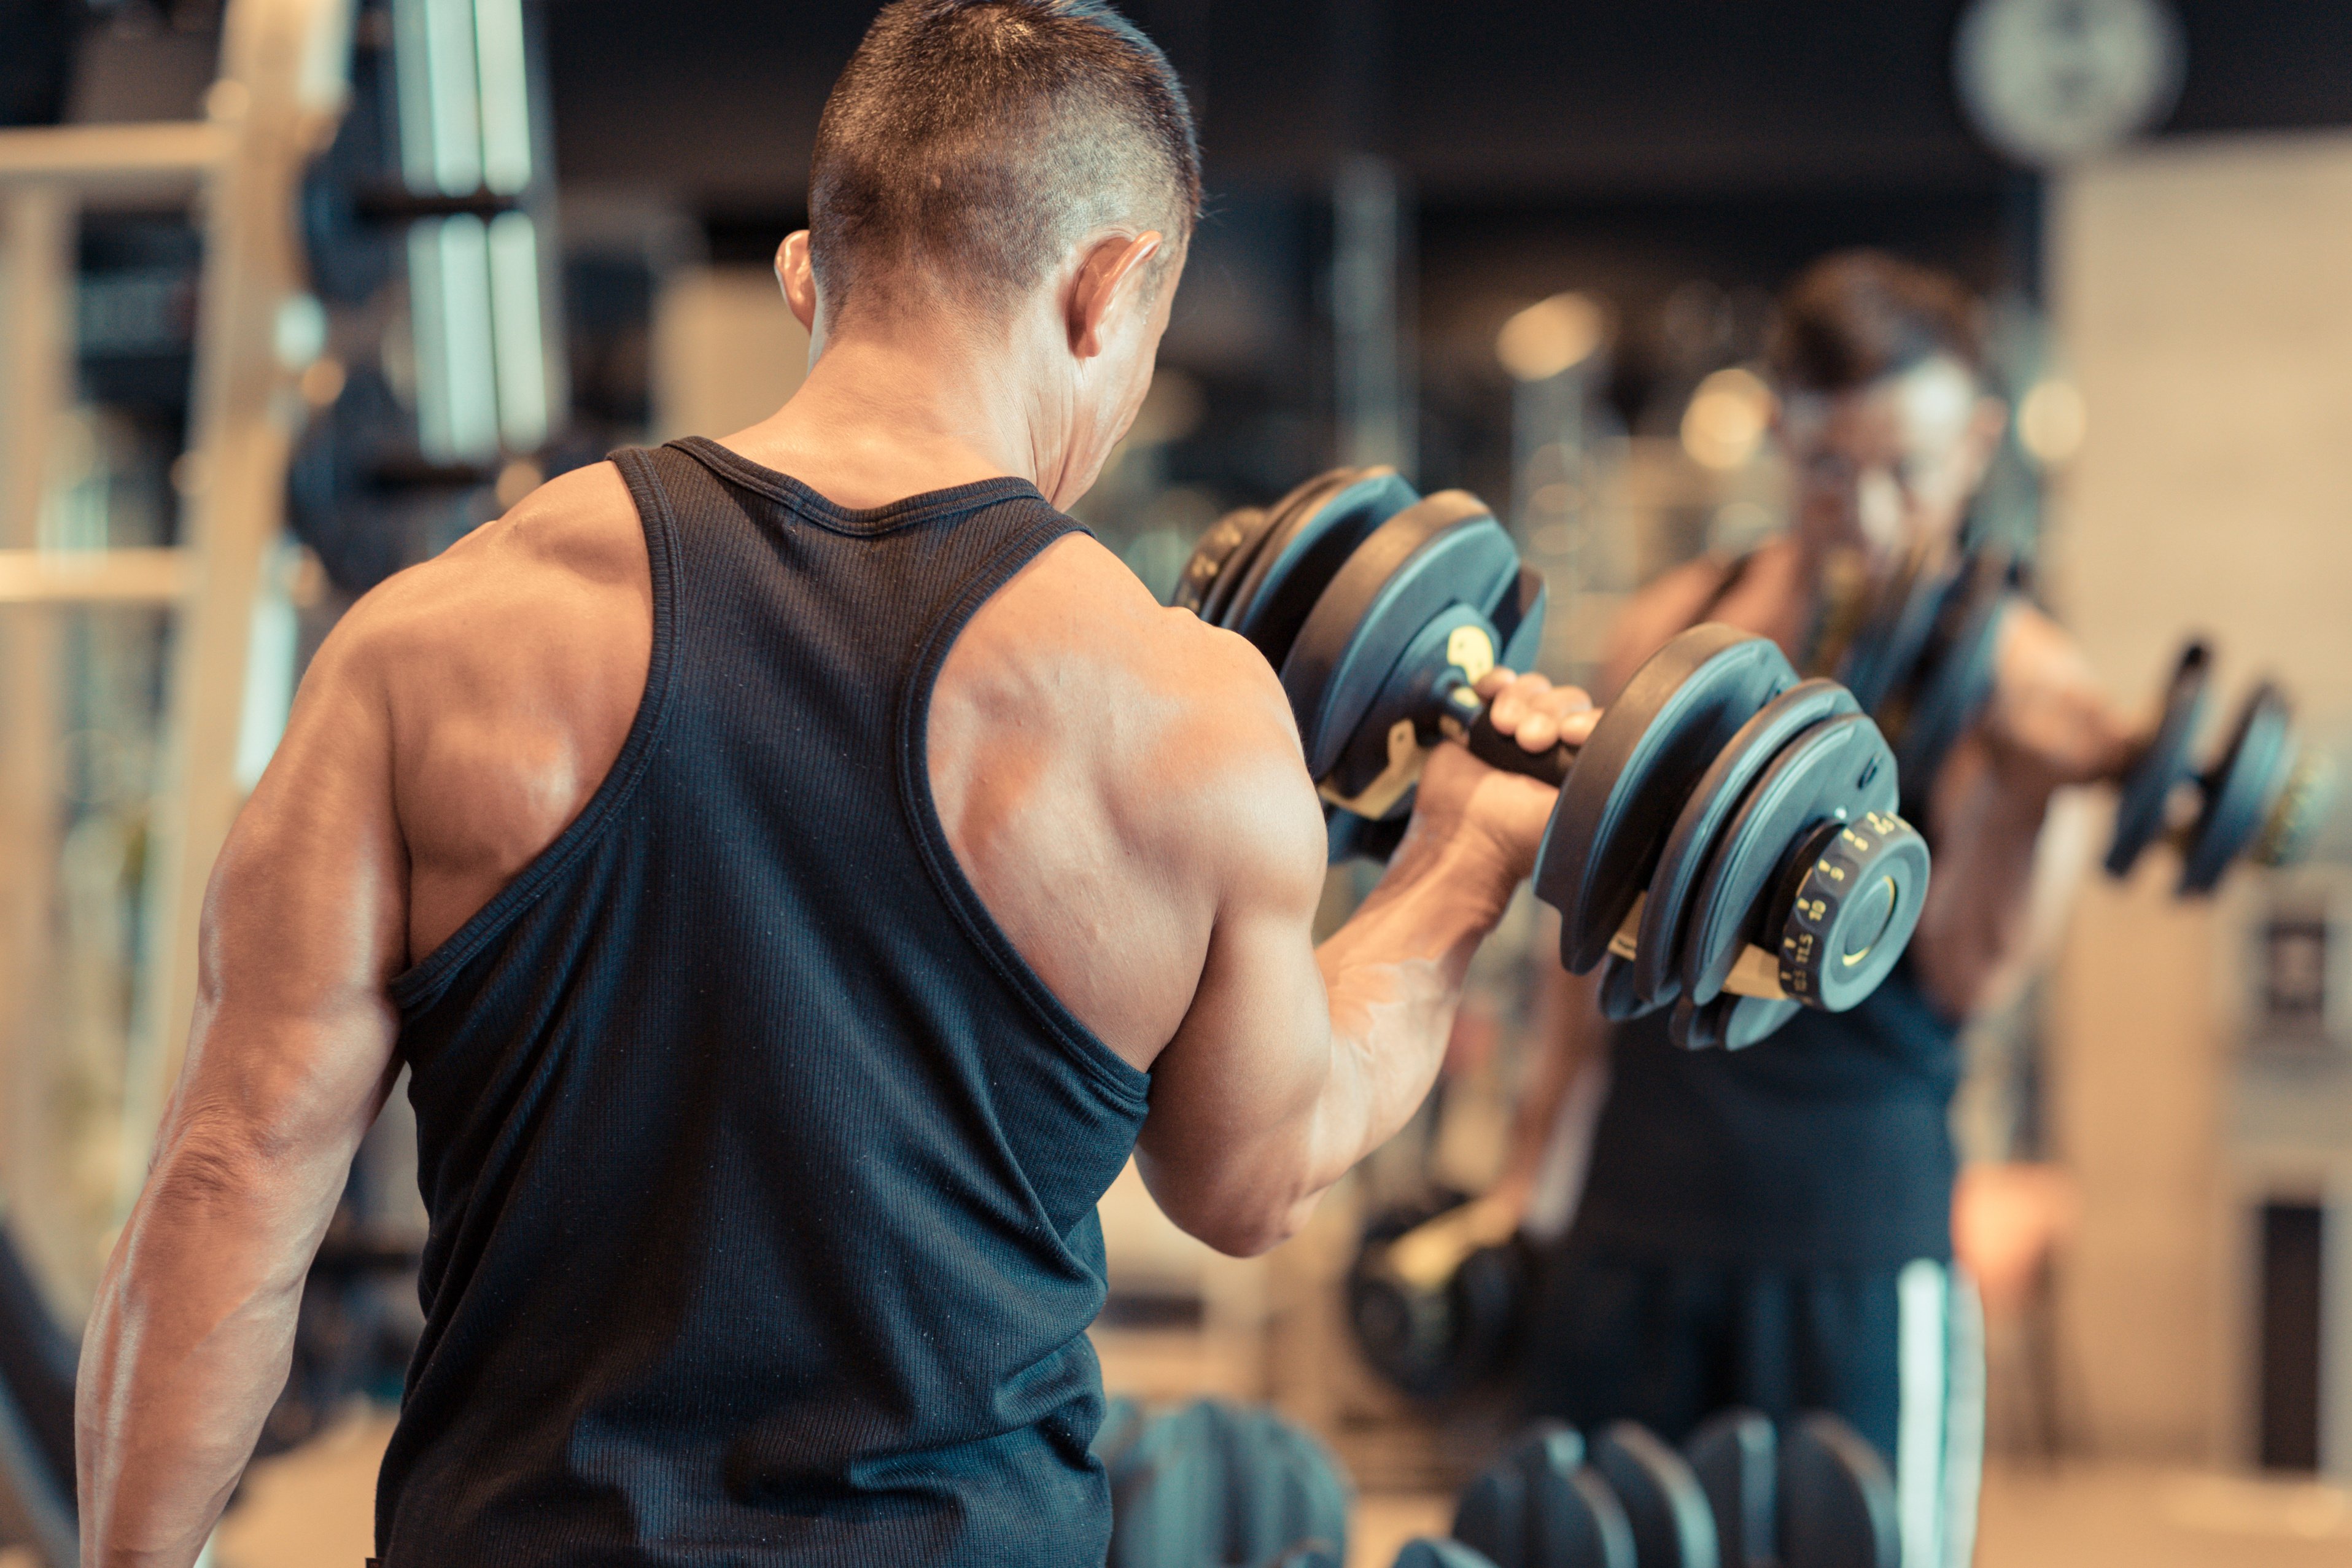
<point>1728,1023</point>
<point>1223,600</point>
<point>2240,790</point>
<point>1838,768</point>
<point>2165,765</point>
<point>1733,1454</point>
<point>1446,549</point>
<point>1621,998</point>
<point>1431,1552</point>
<point>1837,1499</point>
<point>1214,549</point>
<point>1541,1506</point>
<point>1305,551</point>
<point>1632,778</point>
<point>1673,1526</point>
<point>1657,958</point>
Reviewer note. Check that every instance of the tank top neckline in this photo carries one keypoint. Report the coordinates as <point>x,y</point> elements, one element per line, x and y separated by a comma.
<point>822,510</point>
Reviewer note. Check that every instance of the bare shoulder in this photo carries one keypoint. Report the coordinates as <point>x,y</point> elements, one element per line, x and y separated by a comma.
<point>1194,711</point>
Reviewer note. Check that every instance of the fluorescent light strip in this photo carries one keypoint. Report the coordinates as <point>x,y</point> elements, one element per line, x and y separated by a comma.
<point>411,75</point>
<point>521,345</point>
<point>506,95</point>
<point>465,339</point>
<point>457,96</point>
<point>428,330</point>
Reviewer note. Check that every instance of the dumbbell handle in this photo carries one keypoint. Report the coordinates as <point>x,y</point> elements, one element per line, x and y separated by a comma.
<point>1470,718</point>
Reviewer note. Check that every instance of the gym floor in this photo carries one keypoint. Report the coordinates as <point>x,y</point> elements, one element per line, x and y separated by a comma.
<point>313,1509</point>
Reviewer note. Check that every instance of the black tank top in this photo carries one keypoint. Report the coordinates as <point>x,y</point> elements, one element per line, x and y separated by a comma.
<point>1827,1146</point>
<point>761,1169</point>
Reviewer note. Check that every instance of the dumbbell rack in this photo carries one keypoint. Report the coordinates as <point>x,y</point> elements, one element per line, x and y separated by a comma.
<point>277,102</point>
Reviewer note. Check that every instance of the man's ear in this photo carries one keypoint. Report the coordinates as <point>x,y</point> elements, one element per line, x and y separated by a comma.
<point>1110,279</point>
<point>798,277</point>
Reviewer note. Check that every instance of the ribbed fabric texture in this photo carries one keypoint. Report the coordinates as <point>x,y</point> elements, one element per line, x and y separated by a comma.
<point>761,1169</point>
<point>1826,1146</point>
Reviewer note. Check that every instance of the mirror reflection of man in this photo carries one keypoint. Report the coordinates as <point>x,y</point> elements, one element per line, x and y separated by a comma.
<point>1771,1228</point>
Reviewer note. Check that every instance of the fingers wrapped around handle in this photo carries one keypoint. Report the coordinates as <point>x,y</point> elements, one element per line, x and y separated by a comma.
<point>1473,722</point>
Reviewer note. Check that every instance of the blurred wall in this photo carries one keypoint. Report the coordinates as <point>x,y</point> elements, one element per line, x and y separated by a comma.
<point>2201,292</point>
<point>727,352</point>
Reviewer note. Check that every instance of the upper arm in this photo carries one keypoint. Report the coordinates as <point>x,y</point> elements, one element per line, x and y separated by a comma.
<point>1234,1092</point>
<point>303,926</point>
<point>1658,613</point>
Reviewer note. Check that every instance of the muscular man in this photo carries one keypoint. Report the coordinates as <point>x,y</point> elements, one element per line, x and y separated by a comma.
<point>1771,1228</point>
<point>795,871</point>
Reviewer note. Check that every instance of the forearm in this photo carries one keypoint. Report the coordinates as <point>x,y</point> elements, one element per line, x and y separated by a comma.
<point>188,1346</point>
<point>1394,974</point>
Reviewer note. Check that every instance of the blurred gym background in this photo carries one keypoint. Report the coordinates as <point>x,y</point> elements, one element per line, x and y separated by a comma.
<point>307,290</point>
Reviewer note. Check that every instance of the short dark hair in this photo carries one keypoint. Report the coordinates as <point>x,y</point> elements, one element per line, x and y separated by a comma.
<point>1858,315</point>
<point>976,139</point>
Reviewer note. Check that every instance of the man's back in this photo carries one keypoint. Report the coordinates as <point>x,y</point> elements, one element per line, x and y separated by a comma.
<point>831,1210</point>
<point>779,891</point>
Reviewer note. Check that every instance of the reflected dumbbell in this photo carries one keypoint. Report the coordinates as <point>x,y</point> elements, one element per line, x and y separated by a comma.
<point>1727,841</point>
<point>2260,799</point>
<point>1923,665</point>
<point>1436,1301</point>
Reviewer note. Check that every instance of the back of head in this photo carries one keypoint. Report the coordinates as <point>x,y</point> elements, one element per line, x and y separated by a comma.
<point>969,143</point>
<point>1858,316</point>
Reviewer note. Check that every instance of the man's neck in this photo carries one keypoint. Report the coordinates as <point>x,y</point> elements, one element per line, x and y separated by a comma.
<point>884,415</point>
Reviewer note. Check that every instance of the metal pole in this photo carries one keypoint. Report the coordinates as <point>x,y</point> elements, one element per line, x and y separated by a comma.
<point>280,92</point>
<point>37,226</point>
<point>1374,378</point>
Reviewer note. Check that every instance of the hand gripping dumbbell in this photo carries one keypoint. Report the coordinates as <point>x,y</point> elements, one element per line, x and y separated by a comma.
<point>1923,664</point>
<point>1726,842</point>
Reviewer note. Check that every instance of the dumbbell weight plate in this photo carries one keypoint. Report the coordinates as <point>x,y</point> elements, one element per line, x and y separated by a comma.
<point>1304,551</point>
<point>1956,677</point>
<point>1839,765</point>
<point>1732,1453</point>
<point>1206,568</point>
<point>1632,778</point>
<point>1837,1499</point>
<point>1621,995</point>
<point>2240,790</point>
<point>1282,518</point>
<point>2148,789</point>
<point>1728,1023</point>
<point>1444,550</point>
<point>1541,1506</point>
<point>1430,1552</point>
<point>1657,959</point>
<point>1673,1526</point>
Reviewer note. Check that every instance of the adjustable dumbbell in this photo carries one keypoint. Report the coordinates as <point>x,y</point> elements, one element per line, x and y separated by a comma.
<point>2261,798</point>
<point>1726,842</point>
<point>1924,666</point>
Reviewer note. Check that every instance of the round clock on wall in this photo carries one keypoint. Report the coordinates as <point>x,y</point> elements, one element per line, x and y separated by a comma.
<point>2049,81</point>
